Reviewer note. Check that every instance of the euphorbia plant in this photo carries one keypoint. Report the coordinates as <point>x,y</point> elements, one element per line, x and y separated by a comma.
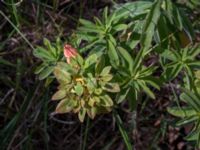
<point>108,62</point>
<point>84,85</point>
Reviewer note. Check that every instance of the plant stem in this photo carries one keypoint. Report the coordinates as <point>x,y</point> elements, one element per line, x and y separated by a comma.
<point>122,131</point>
<point>86,134</point>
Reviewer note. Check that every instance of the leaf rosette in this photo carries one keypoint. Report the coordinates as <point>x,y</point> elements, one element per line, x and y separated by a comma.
<point>81,89</point>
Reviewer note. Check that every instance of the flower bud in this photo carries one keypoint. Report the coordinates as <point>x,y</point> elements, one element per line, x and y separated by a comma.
<point>69,52</point>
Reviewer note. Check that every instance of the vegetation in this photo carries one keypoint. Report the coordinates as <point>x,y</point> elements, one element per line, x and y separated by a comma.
<point>133,65</point>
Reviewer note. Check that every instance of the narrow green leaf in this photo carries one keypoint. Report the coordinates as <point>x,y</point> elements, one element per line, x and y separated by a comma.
<point>61,75</point>
<point>112,87</point>
<point>171,73</point>
<point>191,99</point>
<point>187,25</point>
<point>91,30</point>
<point>125,54</point>
<point>79,89</point>
<point>150,24</point>
<point>169,10</point>
<point>46,72</point>
<point>183,112</point>
<point>132,98</point>
<point>100,65</point>
<point>81,114</point>
<point>112,53</point>
<point>111,19</point>
<point>193,135</point>
<point>132,9</point>
<point>92,112</point>
<point>123,131</point>
<point>43,54</point>
<point>106,78</point>
<point>147,71</point>
<point>106,101</point>
<point>120,27</point>
<point>66,67</point>
<point>195,51</point>
<point>64,106</point>
<point>146,89</point>
<point>152,81</point>
<point>87,23</point>
<point>60,94</point>
<point>122,95</point>
<point>178,19</point>
<point>99,23</point>
<point>105,71</point>
<point>92,59</point>
<point>187,120</point>
<point>40,68</point>
<point>112,39</point>
<point>137,62</point>
<point>90,45</point>
<point>47,43</point>
<point>105,15</point>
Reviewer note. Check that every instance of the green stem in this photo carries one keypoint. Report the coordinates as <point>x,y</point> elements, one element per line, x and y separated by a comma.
<point>123,132</point>
<point>86,134</point>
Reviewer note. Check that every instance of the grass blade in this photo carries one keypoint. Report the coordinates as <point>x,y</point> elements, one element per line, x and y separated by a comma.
<point>123,131</point>
<point>16,28</point>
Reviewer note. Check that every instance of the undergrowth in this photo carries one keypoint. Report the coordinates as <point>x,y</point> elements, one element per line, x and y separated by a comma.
<point>125,65</point>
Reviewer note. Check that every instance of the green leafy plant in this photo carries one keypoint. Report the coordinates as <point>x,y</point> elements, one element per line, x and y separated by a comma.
<point>136,78</point>
<point>183,59</point>
<point>110,64</point>
<point>101,31</point>
<point>49,55</point>
<point>82,89</point>
<point>189,114</point>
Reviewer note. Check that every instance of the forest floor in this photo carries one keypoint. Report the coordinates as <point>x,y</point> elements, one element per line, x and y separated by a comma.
<point>25,106</point>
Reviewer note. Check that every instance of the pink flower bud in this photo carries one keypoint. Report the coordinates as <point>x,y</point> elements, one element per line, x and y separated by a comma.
<point>69,52</point>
